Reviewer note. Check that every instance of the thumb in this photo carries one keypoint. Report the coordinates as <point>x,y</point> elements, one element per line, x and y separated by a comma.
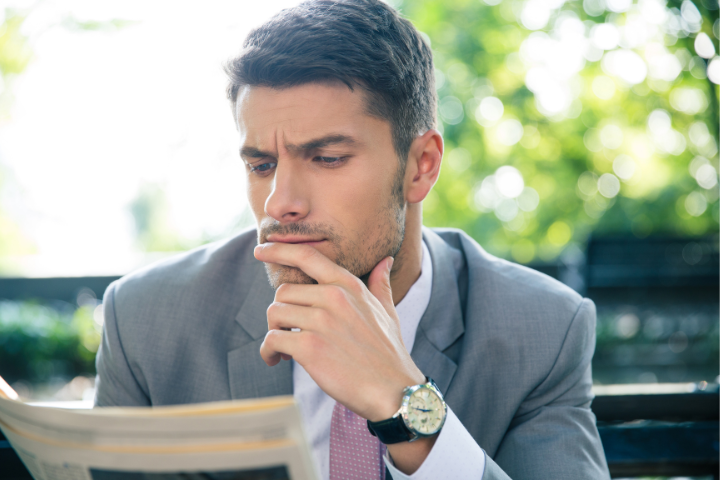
<point>379,283</point>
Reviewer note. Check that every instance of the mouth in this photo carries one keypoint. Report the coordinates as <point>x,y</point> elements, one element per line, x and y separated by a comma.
<point>295,240</point>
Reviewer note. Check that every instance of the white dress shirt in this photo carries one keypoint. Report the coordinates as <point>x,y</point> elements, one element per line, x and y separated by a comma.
<point>455,453</point>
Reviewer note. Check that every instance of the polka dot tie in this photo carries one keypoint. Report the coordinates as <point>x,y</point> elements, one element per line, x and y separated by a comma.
<point>355,454</point>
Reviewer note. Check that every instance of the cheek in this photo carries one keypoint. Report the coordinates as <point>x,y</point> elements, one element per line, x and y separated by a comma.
<point>356,198</point>
<point>257,194</point>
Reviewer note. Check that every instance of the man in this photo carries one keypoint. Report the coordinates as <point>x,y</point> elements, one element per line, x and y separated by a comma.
<point>335,106</point>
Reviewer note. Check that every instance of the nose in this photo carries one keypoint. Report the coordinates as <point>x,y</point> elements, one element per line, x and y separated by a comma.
<point>288,201</point>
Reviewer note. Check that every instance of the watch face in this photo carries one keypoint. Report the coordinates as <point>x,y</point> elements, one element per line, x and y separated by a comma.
<point>425,411</point>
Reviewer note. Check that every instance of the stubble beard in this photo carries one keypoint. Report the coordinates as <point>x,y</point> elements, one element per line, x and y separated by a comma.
<point>350,253</point>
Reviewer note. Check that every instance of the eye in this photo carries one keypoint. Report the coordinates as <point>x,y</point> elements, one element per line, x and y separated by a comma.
<point>330,160</point>
<point>262,169</point>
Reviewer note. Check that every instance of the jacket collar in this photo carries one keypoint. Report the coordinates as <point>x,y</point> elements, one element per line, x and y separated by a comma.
<point>442,323</point>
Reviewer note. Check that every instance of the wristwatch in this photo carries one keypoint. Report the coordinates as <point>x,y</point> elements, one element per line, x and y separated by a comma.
<point>422,414</point>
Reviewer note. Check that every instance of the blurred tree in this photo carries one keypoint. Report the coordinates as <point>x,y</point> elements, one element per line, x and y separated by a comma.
<point>42,342</point>
<point>567,118</point>
<point>149,210</point>
<point>154,230</point>
<point>39,342</point>
<point>15,55</point>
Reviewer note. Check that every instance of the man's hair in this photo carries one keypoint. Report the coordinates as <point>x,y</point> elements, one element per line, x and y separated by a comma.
<point>361,43</point>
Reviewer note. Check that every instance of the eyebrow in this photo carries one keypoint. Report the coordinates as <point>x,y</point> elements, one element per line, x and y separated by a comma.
<point>325,142</point>
<point>252,152</point>
<point>315,144</point>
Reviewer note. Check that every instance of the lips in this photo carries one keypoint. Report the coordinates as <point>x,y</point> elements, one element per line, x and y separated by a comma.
<point>294,240</point>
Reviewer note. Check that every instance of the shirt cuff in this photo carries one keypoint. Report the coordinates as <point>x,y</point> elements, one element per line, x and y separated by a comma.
<point>454,455</point>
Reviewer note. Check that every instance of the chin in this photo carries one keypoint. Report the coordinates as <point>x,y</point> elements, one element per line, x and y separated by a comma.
<point>279,274</point>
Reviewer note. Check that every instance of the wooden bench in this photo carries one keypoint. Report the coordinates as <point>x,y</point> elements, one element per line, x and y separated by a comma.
<point>673,434</point>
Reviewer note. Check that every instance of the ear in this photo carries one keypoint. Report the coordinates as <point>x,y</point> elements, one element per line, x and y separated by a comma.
<point>423,165</point>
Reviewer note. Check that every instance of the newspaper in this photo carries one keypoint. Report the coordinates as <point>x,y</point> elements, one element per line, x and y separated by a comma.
<point>240,440</point>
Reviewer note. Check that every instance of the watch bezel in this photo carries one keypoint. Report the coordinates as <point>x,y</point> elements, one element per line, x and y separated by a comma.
<point>403,412</point>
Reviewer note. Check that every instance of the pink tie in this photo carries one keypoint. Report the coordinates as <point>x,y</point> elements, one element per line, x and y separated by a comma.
<point>354,452</point>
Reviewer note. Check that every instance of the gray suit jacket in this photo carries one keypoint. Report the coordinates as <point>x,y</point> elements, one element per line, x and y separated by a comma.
<point>509,347</point>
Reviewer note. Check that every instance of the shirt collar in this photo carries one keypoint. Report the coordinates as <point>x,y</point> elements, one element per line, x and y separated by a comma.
<point>412,307</point>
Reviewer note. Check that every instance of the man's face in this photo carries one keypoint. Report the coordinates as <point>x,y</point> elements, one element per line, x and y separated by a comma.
<point>321,170</point>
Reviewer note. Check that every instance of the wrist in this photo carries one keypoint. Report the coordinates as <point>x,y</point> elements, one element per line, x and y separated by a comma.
<point>387,403</point>
<point>409,457</point>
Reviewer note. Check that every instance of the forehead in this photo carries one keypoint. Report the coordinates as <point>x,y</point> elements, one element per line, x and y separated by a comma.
<point>301,112</point>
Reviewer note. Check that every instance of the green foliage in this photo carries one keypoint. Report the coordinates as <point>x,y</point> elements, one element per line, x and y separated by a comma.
<point>606,161</point>
<point>150,213</point>
<point>15,55</point>
<point>154,232</point>
<point>40,342</point>
<point>73,24</point>
<point>15,51</point>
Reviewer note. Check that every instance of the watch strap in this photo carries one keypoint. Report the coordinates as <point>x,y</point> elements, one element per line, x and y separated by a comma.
<point>392,430</point>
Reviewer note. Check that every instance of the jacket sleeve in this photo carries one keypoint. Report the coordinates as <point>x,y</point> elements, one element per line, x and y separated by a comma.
<point>553,435</point>
<point>115,384</point>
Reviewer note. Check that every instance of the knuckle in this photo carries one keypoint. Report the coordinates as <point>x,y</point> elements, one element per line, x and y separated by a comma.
<point>273,314</point>
<point>282,290</point>
<point>337,294</point>
<point>272,309</point>
<point>356,286</point>
<point>270,337</point>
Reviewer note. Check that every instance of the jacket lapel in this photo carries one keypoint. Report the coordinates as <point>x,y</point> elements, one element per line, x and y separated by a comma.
<point>250,377</point>
<point>442,323</point>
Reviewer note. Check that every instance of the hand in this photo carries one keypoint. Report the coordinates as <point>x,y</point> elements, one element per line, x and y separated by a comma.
<point>349,340</point>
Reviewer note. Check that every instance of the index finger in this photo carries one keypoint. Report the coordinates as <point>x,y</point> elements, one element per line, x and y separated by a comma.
<point>306,258</point>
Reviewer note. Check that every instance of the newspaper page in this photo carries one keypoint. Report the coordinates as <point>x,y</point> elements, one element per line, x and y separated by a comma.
<point>240,440</point>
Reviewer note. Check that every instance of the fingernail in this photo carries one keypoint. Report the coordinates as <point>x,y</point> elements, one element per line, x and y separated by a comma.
<point>390,264</point>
